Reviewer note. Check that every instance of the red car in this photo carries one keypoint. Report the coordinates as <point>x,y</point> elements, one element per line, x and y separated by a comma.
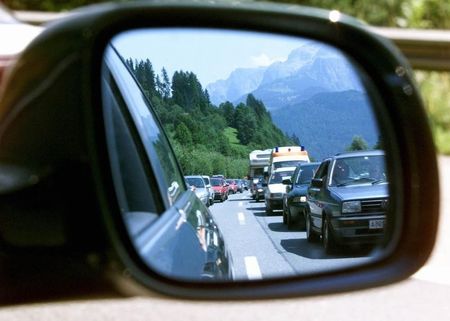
<point>220,189</point>
<point>232,186</point>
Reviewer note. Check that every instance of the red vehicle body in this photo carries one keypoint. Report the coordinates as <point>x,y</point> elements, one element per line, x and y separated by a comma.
<point>232,186</point>
<point>220,189</point>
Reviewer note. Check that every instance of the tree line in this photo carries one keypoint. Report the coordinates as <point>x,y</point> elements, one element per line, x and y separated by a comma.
<point>390,13</point>
<point>207,139</point>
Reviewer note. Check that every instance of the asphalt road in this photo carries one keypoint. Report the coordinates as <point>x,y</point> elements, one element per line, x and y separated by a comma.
<point>263,247</point>
<point>424,296</point>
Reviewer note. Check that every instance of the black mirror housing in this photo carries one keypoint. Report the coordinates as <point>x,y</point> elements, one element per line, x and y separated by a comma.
<point>317,183</point>
<point>47,131</point>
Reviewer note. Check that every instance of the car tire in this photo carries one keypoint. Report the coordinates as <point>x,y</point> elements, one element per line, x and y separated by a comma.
<point>289,220</point>
<point>311,236</point>
<point>328,241</point>
<point>284,214</point>
<point>269,210</point>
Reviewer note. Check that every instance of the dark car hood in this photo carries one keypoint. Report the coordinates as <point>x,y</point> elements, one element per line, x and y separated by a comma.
<point>366,191</point>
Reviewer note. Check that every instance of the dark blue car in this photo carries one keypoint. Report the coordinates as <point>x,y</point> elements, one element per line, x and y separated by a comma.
<point>294,201</point>
<point>348,200</point>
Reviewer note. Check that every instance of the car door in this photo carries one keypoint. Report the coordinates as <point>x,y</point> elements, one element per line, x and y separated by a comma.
<point>317,195</point>
<point>171,230</point>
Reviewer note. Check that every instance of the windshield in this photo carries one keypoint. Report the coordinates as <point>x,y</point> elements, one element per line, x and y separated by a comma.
<point>291,163</point>
<point>277,177</point>
<point>216,182</point>
<point>196,181</point>
<point>359,170</point>
<point>230,181</point>
<point>306,174</point>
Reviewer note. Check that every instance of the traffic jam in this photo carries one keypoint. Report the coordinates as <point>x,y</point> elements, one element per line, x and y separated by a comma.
<point>333,207</point>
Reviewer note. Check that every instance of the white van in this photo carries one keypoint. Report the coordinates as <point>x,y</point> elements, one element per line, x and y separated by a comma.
<point>276,189</point>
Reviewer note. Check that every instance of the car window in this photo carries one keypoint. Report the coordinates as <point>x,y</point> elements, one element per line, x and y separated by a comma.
<point>278,177</point>
<point>132,188</point>
<point>322,170</point>
<point>359,170</point>
<point>306,174</point>
<point>195,181</point>
<point>155,143</point>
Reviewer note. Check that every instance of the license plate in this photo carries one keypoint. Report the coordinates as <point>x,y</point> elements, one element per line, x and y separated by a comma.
<point>376,224</point>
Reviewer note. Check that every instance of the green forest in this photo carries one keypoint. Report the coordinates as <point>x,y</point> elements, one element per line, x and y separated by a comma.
<point>207,139</point>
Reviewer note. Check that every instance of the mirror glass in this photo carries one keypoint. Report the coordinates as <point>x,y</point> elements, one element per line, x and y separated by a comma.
<point>240,155</point>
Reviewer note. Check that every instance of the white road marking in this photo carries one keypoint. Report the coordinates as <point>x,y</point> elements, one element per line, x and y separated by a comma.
<point>241,204</point>
<point>241,218</point>
<point>252,267</point>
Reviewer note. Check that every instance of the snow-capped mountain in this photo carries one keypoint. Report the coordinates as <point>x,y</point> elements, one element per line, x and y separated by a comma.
<point>310,69</point>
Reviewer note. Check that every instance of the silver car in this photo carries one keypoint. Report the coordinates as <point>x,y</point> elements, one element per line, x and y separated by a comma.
<point>210,189</point>
<point>199,187</point>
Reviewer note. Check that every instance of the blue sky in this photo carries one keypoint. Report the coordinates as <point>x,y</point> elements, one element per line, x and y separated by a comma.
<point>211,54</point>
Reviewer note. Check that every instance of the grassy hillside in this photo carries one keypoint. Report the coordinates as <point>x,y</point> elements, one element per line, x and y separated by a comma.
<point>435,89</point>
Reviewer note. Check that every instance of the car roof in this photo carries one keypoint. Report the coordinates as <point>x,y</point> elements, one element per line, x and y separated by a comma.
<point>309,164</point>
<point>375,152</point>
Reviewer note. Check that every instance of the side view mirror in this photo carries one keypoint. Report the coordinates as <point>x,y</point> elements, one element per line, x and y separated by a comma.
<point>317,183</point>
<point>162,90</point>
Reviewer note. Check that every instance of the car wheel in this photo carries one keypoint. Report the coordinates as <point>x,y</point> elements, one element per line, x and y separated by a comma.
<point>327,237</point>
<point>289,220</point>
<point>284,214</point>
<point>269,210</point>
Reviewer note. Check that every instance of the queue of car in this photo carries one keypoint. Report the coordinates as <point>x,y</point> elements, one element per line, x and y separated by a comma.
<point>215,188</point>
<point>342,200</point>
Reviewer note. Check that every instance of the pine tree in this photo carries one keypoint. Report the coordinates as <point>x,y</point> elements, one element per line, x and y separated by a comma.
<point>358,143</point>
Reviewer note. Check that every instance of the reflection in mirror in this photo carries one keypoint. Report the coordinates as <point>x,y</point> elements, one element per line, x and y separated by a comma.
<point>276,137</point>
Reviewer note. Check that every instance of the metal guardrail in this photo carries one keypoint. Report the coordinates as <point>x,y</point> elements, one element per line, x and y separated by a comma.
<point>425,49</point>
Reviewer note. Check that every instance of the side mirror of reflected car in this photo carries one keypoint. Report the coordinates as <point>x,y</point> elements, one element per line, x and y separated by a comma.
<point>317,183</point>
